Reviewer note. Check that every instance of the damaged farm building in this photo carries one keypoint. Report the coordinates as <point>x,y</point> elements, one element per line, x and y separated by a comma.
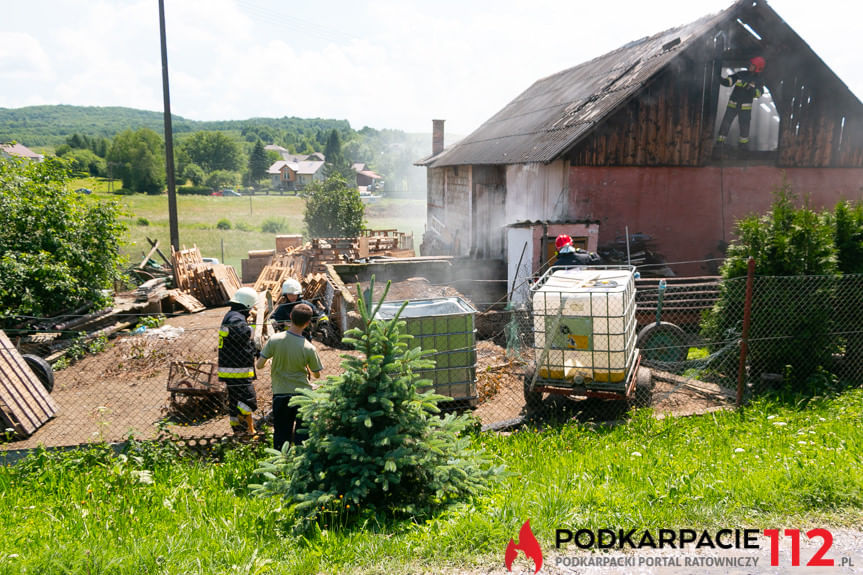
<point>624,145</point>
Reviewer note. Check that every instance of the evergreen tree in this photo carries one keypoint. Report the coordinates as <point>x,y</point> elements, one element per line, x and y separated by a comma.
<point>258,163</point>
<point>333,149</point>
<point>375,444</point>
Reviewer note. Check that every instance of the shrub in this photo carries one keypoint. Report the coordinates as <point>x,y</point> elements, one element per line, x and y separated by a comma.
<point>244,227</point>
<point>194,190</point>
<point>375,444</point>
<point>786,243</point>
<point>57,250</point>
<point>274,225</point>
<point>223,224</point>
<point>143,222</point>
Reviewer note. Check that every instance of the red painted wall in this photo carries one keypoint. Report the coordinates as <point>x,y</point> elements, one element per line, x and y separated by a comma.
<point>690,211</point>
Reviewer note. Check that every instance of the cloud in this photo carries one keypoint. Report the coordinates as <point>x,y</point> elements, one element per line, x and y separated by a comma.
<point>23,58</point>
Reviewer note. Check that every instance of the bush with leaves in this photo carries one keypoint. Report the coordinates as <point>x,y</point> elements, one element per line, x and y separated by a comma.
<point>333,210</point>
<point>786,243</point>
<point>58,249</point>
<point>375,444</point>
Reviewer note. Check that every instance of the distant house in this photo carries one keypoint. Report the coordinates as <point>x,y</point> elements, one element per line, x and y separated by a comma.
<point>286,175</point>
<point>13,150</point>
<point>366,178</point>
<point>295,158</point>
<point>625,144</point>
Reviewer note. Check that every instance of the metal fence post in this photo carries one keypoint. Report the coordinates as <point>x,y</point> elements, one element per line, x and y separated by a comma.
<point>747,314</point>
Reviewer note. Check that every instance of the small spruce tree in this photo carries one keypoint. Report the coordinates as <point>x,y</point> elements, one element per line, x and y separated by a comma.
<point>375,444</point>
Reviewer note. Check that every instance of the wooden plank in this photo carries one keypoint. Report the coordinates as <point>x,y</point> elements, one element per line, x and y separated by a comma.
<point>27,405</point>
<point>39,391</point>
<point>149,254</point>
<point>13,394</point>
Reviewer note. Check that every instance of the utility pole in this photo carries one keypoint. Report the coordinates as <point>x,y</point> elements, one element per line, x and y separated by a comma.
<point>169,136</point>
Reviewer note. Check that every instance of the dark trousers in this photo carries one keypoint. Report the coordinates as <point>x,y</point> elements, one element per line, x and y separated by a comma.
<point>744,117</point>
<point>241,397</point>
<point>286,422</point>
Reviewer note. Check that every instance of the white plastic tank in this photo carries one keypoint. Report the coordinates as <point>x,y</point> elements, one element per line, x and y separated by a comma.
<point>584,324</point>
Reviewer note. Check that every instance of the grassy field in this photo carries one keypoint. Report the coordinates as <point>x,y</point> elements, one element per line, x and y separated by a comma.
<point>147,216</point>
<point>771,464</point>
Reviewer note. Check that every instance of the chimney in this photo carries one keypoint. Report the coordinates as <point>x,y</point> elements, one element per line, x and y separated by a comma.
<point>437,137</point>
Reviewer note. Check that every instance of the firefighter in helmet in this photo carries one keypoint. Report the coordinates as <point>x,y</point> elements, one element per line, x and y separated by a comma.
<point>747,86</point>
<point>568,255</point>
<point>237,361</point>
<point>291,296</point>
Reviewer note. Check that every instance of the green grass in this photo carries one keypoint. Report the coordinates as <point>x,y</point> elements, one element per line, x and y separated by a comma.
<point>198,216</point>
<point>771,464</point>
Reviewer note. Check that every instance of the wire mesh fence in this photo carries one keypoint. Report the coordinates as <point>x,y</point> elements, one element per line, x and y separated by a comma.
<point>673,346</point>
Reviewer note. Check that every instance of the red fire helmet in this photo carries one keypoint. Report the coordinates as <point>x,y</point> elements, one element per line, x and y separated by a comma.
<point>562,240</point>
<point>758,64</point>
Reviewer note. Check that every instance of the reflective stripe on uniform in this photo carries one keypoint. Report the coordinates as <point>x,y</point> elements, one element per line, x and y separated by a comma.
<point>234,421</point>
<point>243,408</point>
<point>746,106</point>
<point>236,372</point>
<point>720,139</point>
<point>743,140</point>
<point>732,104</point>
<point>223,333</point>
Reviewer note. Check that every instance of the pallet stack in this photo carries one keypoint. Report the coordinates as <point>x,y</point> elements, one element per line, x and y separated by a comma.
<point>289,264</point>
<point>212,284</point>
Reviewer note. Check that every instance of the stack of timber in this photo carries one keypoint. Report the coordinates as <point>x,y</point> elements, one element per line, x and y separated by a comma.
<point>389,243</point>
<point>25,405</point>
<point>319,290</point>
<point>290,264</point>
<point>211,284</point>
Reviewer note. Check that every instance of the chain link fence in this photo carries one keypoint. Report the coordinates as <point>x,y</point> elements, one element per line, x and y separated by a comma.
<point>678,352</point>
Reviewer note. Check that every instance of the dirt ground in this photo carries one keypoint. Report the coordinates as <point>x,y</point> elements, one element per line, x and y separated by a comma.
<point>123,389</point>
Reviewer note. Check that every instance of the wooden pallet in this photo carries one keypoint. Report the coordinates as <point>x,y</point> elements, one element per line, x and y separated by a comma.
<point>25,405</point>
<point>186,301</point>
<point>211,284</point>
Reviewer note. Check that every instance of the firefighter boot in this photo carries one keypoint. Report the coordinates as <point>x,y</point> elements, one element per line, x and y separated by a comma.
<point>247,424</point>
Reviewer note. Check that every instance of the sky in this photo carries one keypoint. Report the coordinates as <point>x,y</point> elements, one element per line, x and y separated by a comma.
<point>393,64</point>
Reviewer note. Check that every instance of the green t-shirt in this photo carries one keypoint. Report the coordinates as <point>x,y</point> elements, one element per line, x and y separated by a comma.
<point>290,354</point>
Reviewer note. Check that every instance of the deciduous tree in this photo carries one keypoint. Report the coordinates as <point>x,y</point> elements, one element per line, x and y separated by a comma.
<point>58,249</point>
<point>333,209</point>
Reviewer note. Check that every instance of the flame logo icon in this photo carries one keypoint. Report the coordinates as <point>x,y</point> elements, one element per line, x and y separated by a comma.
<point>526,542</point>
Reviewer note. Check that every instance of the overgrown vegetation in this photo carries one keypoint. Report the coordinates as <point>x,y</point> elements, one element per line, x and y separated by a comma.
<point>787,244</point>
<point>376,447</point>
<point>57,249</point>
<point>772,463</point>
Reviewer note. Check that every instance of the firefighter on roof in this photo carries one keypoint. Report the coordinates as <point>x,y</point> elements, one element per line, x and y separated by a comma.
<point>747,86</point>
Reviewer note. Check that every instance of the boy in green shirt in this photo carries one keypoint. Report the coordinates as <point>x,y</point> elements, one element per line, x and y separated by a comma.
<point>294,359</point>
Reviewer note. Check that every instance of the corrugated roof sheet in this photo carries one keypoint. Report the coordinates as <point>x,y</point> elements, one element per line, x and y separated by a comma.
<point>553,114</point>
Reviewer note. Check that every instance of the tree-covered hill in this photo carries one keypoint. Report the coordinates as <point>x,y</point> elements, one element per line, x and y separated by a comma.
<point>60,128</point>
<point>51,125</point>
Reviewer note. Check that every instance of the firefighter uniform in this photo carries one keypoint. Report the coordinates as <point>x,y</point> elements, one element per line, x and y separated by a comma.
<point>237,368</point>
<point>747,87</point>
<point>577,257</point>
<point>282,316</point>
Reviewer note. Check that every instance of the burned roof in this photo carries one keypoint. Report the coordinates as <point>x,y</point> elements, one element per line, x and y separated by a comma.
<point>557,112</point>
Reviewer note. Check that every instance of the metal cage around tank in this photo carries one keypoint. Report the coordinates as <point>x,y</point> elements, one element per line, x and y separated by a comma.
<point>445,325</point>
